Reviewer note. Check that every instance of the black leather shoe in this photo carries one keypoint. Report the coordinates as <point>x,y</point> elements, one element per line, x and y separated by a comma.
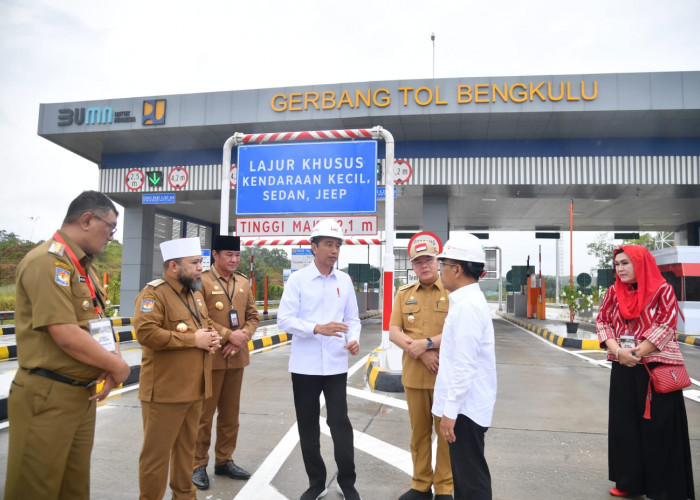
<point>231,470</point>
<point>314,493</point>
<point>414,494</point>
<point>200,478</point>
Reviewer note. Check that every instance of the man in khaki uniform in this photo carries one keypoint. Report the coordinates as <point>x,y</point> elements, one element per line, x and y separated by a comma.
<point>415,326</point>
<point>177,339</point>
<point>52,398</point>
<point>231,306</point>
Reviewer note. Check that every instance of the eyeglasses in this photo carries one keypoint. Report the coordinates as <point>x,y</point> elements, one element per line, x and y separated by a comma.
<point>422,262</point>
<point>112,226</point>
<point>445,264</point>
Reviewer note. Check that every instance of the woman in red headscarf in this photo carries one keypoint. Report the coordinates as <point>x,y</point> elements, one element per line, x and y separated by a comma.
<point>637,319</point>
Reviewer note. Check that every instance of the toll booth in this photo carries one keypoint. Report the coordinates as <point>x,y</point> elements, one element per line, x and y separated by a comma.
<point>517,302</point>
<point>535,297</point>
<point>680,265</point>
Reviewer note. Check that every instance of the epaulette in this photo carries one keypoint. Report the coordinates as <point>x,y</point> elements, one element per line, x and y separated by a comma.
<point>241,274</point>
<point>408,285</point>
<point>156,283</point>
<point>57,248</point>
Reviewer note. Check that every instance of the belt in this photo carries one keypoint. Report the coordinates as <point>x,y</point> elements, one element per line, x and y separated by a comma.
<point>61,378</point>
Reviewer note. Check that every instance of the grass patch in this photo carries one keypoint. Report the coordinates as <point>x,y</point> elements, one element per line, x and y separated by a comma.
<point>7,298</point>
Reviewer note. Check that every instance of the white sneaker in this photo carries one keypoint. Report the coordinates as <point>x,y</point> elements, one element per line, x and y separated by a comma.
<point>340,490</point>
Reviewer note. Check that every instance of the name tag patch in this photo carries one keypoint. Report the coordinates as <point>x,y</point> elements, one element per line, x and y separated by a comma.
<point>62,277</point>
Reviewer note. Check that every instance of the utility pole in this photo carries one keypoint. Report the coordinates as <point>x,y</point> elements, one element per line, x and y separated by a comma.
<point>432,38</point>
<point>33,223</point>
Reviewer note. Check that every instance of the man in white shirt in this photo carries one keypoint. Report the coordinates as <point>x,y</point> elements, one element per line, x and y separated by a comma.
<point>465,389</point>
<point>319,308</point>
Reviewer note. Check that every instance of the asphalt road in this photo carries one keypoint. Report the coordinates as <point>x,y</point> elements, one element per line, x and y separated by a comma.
<point>548,439</point>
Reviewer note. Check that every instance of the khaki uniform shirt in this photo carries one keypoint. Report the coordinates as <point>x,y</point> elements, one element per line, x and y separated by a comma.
<point>51,291</point>
<point>420,312</point>
<point>219,303</point>
<point>173,370</point>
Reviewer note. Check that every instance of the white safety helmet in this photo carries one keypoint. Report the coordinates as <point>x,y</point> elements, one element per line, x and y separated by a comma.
<point>327,228</point>
<point>464,247</point>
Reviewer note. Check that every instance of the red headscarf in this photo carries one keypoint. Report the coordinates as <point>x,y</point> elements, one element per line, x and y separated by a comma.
<point>649,280</point>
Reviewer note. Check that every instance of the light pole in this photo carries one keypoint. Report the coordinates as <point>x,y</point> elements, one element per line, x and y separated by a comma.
<point>33,223</point>
<point>432,38</point>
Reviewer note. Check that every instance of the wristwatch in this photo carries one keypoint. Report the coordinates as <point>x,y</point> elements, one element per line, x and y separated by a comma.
<point>430,343</point>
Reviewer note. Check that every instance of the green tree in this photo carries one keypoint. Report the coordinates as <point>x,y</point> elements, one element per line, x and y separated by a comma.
<point>603,246</point>
<point>12,251</point>
<point>110,262</point>
<point>270,263</point>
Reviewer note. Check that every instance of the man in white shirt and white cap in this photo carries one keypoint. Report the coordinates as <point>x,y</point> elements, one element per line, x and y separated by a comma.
<point>465,389</point>
<point>173,327</point>
<point>319,308</point>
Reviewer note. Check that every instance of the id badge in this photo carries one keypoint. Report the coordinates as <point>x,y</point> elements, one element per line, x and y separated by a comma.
<point>101,331</point>
<point>233,317</point>
<point>627,341</point>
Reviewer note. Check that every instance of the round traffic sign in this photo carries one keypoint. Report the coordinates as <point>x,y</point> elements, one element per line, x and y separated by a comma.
<point>584,280</point>
<point>425,236</point>
<point>402,171</point>
<point>134,179</point>
<point>178,178</point>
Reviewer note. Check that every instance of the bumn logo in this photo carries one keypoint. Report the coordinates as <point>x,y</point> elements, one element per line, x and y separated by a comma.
<point>89,116</point>
<point>153,112</point>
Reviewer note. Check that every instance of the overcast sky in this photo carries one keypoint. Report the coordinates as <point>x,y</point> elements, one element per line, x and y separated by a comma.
<point>82,50</point>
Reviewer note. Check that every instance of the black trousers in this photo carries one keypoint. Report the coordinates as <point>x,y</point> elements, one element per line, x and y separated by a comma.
<point>470,472</point>
<point>650,457</point>
<point>307,391</point>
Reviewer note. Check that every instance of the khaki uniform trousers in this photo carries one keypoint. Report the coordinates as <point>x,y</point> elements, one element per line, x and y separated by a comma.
<point>169,435</point>
<point>226,396</point>
<point>420,403</point>
<point>51,436</point>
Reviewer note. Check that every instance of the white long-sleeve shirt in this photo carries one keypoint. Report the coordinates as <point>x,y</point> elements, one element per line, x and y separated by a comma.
<point>311,299</point>
<point>466,380</point>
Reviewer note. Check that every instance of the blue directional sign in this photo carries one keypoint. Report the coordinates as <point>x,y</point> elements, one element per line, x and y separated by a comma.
<point>381,192</point>
<point>301,178</point>
<point>157,198</point>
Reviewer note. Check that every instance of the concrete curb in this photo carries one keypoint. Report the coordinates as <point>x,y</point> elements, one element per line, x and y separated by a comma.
<point>688,339</point>
<point>378,378</point>
<point>681,337</point>
<point>585,344</point>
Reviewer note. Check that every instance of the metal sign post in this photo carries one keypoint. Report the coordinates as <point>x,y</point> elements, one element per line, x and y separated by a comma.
<point>376,133</point>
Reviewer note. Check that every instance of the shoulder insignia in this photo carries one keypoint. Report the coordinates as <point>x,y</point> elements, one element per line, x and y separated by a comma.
<point>57,248</point>
<point>147,304</point>
<point>156,283</point>
<point>408,285</point>
<point>241,274</point>
<point>62,277</point>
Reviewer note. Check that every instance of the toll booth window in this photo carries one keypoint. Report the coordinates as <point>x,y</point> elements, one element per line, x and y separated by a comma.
<point>675,282</point>
<point>204,233</point>
<point>401,261</point>
<point>692,288</point>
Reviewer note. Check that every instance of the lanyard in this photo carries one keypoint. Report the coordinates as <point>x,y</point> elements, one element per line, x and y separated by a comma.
<point>86,277</point>
<point>225,288</point>
<point>195,313</point>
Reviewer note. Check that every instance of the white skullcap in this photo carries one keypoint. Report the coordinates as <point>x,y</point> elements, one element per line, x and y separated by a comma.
<point>183,247</point>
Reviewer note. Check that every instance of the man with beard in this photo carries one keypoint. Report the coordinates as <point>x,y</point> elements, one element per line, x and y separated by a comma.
<point>232,308</point>
<point>177,337</point>
<point>417,318</point>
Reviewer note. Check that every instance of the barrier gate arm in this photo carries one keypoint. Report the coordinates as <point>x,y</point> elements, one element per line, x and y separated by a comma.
<point>375,133</point>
